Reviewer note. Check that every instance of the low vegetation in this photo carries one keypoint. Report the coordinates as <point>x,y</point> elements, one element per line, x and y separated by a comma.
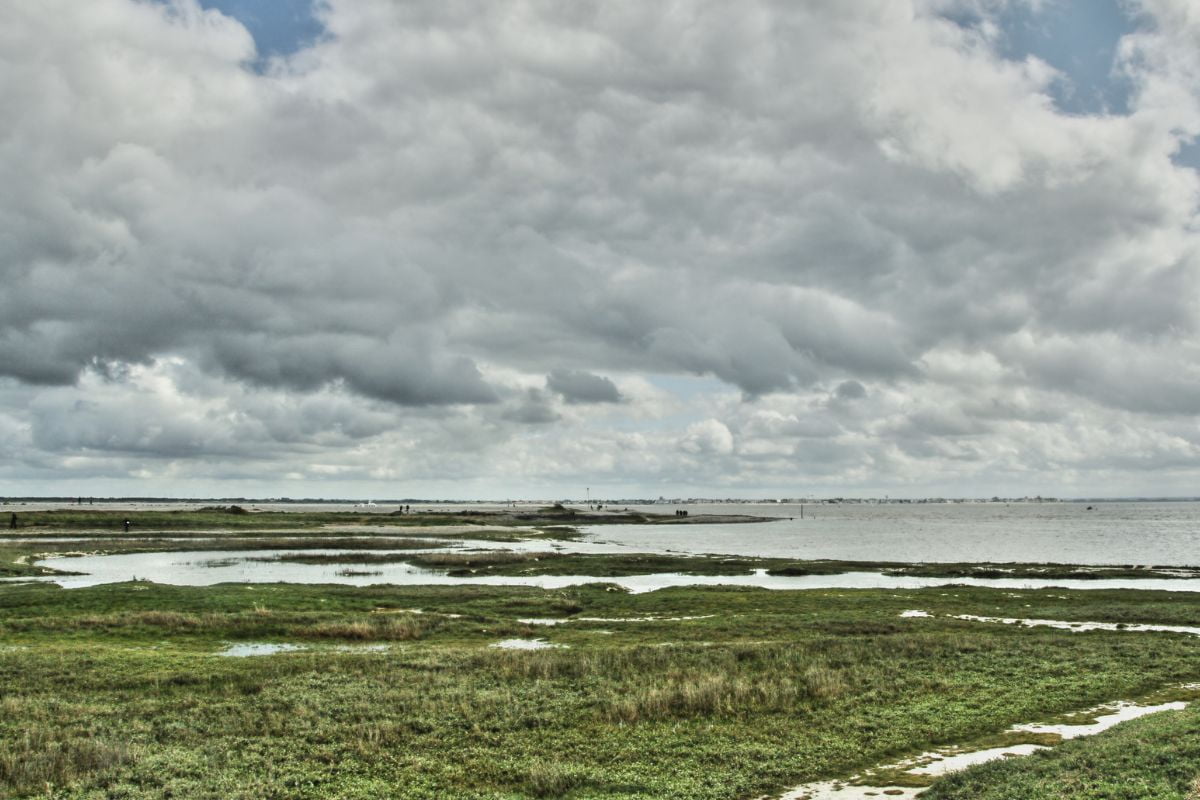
<point>472,559</point>
<point>235,518</point>
<point>118,691</point>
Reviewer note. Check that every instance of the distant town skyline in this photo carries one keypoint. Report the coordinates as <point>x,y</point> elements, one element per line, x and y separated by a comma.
<point>500,249</point>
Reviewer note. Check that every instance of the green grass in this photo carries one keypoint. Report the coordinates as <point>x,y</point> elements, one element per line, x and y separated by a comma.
<point>115,691</point>
<point>600,566</point>
<point>562,520</point>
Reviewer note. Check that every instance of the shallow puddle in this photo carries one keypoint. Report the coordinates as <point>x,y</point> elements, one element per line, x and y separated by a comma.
<point>563,620</point>
<point>936,763</point>
<point>526,644</point>
<point>362,648</point>
<point>1065,625</point>
<point>836,790</point>
<point>1120,713</point>
<point>244,649</point>
<point>945,764</point>
<point>1083,626</point>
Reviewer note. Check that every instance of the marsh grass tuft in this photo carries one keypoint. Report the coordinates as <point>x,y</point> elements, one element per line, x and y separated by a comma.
<point>392,628</point>
<point>552,779</point>
<point>700,695</point>
<point>46,758</point>
<point>824,683</point>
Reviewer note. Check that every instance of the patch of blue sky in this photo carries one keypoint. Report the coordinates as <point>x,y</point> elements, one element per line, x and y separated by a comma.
<point>279,27</point>
<point>1189,155</point>
<point>695,395</point>
<point>1079,38</point>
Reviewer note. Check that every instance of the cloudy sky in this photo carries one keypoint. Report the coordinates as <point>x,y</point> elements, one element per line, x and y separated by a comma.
<point>516,248</point>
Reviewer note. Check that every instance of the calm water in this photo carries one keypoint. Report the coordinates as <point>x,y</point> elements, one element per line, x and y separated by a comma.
<point>205,568</point>
<point>1112,533</point>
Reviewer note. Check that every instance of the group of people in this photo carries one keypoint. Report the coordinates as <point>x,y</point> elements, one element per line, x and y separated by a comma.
<point>680,512</point>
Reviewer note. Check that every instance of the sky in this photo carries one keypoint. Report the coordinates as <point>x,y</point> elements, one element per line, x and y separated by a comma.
<point>529,249</point>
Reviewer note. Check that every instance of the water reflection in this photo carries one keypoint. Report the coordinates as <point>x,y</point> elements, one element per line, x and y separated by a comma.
<point>205,568</point>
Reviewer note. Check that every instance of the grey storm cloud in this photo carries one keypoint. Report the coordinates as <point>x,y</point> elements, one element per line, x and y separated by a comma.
<point>850,390</point>
<point>534,408</point>
<point>852,223</point>
<point>577,386</point>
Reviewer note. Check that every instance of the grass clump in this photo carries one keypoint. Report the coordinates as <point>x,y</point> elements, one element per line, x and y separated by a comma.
<point>45,759</point>
<point>551,778</point>
<point>392,629</point>
<point>480,561</point>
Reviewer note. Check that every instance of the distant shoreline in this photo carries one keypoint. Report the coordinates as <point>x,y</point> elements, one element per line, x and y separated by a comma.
<point>74,501</point>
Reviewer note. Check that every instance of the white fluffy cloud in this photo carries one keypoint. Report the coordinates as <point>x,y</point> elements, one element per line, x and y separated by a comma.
<point>502,248</point>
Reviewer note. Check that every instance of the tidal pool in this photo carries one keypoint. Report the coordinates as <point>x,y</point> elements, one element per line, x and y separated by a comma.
<point>1080,627</point>
<point>208,567</point>
<point>1065,625</point>
<point>526,644</point>
<point>551,621</point>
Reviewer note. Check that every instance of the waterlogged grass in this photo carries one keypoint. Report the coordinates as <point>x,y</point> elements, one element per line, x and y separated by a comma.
<point>1153,758</point>
<point>600,566</point>
<point>498,562</point>
<point>438,559</point>
<point>116,690</point>
<point>14,562</point>
<point>358,573</point>
<point>1043,571</point>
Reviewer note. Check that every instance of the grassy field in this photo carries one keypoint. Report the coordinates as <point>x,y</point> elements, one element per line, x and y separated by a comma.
<point>236,518</point>
<point>117,691</point>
